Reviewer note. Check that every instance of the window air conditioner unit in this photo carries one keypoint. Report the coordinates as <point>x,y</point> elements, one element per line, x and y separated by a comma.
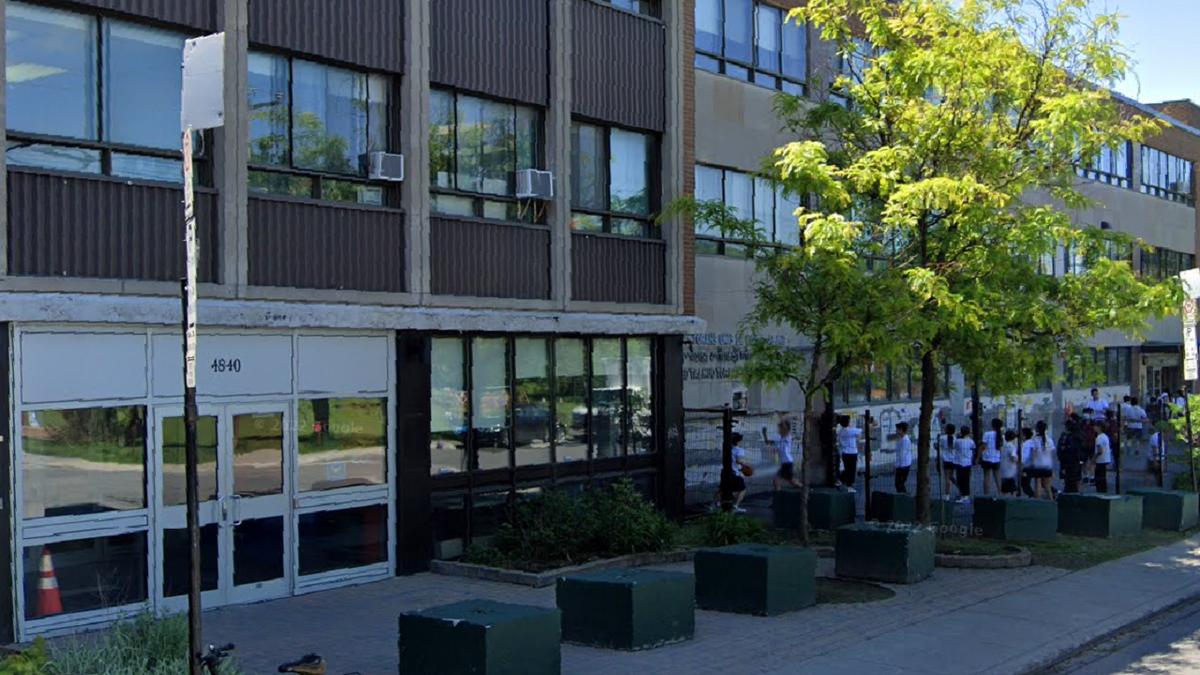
<point>533,184</point>
<point>384,166</point>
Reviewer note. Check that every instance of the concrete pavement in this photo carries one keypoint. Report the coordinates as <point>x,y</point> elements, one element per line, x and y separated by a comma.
<point>960,622</point>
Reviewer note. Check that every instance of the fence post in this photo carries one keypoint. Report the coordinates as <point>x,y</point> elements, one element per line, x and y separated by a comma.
<point>1020,455</point>
<point>1117,450</point>
<point>867,465</point>
<point>727,459</point>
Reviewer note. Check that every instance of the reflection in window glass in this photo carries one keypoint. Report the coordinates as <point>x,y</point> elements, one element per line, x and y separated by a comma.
<point>270,109</point>
<point>485,135</point>
<point>174,459</point>
<point>258,454</point>
<point>532,422</point>
<point>258,551</point>
<point>608,384</point>
<point>739,30</point>
<point>452,205</point>
<point>589,175</point>
<point>345,539</point>
<point>764,207</point>
<point>586,222</point>
<point>710,186</point>
<point>343,443</point>
<point>141,86</point>
<point>629,228</point>
<point>448,407</point>
<point>489,399</point>
<point>63,451</point>
<point>264,182</point>
<point>54,157</point>
<point>51,72</point>
<point>571,390</point>
<point>329,117</point>
<point>770,21</point>
<point>142,167</point>
<point>708,26</point>
<point>449,522</point>
<point>92,574</point>
<point>176,554</point>
<point>639,389</point>
<point>630,172</point>
<point>441,139</point>
<point>795,54</point>
<point>739,193</point>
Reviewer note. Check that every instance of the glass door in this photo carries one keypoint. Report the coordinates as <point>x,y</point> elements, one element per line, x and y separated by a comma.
<point>245,541</point>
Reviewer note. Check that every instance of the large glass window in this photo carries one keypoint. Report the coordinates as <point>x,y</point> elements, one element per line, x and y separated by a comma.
<point>750,198</point>
<point>533,422</point>
<point>1111,166</point>
<point>92,574</point>
<point>311,127</point>
<point>570,398</point>
<point>1167,176</point>
<point>476,147</point>
<point>343,443</point>
<point>751,41</point>
<point>639,369</point>
<point>343,539</point>
<point>490,420</point>
<point>613,180</point>
<point>608,394</point>
<point>448,406</point>
<point>1162,263</point>
<point>63,452</point>
<point>82,104</point>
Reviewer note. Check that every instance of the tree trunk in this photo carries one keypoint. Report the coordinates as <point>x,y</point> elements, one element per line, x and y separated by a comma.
<point>924,434</point>
<point>804,450</point>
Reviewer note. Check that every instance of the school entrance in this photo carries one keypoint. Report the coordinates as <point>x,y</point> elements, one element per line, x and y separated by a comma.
<point>295,473</point>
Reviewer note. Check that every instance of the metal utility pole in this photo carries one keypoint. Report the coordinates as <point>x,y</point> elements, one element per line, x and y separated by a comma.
<point>726,459</point>
<point>202,107</point>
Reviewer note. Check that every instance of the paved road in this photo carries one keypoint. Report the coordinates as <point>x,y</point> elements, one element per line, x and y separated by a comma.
<point>1166,645</point>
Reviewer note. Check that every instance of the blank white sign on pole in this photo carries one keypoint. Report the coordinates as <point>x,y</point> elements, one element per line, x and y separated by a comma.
<point>203,83</point>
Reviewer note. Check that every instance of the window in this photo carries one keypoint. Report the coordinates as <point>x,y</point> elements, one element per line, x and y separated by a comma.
<point>1111,166</point>
<point>55,444</point>
<point>311,127</point>
<point>647,7</point>
<point>92,574</point>
<point>93,95</point>
<point>851,66</point>
<point>504,403</point>
<point>613,180</point>
<point>343,443</point>
<point>475,147</point>
<point>1167,176</point>
<point>1162,263</point>
<point>749,197</point>
<point>750,41</point>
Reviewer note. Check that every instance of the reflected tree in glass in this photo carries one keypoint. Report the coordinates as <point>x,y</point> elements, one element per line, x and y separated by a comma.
<point>570,403</point>
<point>532,423</point>
<point>448,407</point>
<point>608,385</point>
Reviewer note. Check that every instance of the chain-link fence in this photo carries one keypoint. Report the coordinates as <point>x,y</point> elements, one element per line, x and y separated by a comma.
<point>704,439</point>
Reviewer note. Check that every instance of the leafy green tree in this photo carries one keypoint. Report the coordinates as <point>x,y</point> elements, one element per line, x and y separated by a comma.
<point>961,127</point>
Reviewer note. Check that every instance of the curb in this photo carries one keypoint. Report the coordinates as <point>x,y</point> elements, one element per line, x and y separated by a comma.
<point>1045,664</point>
<point>549,578</point>
<point>1019,558</point>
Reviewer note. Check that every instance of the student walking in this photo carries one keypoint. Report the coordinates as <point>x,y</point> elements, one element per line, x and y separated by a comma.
<point>904,458</point>
<point>1158,457</point>
<point>1103,457</point>
<point>783,449</point>
<point>1042,458</point>
<point>948,455</point>
<point>965,447</point>
<point>849,439</point>
<point>1072,451</point>
<point>990,459</point>
<point>1008,465</point>
<point>739,480</point>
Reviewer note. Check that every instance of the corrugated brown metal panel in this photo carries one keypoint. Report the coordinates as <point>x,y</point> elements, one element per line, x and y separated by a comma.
<point>68,226</point>
<point>195,13</point>
<point>618,269</point>
<point>308,245</point>
<point>619,66</point>
<point>499,47</point>
<point>367,33</point>
<point>489,259</point>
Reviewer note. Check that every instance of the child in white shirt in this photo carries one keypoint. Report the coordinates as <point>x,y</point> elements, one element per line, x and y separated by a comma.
<point>1103,458</point>
<point>848,438</point>
<point>965,447</point>
<point>990,458</point>
<point>1008,465</point>
<point>904,458</point>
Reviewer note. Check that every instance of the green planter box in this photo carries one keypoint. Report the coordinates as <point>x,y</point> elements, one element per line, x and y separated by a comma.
<point>1168,509</point>
<point>827,509</point>
<point>890,553</point>
<point>889,507</point>
<point>1099,515</point>
<point>481,637</point>
<point>1016,519</point>
<point>756,579</point>
<point>627,609</point>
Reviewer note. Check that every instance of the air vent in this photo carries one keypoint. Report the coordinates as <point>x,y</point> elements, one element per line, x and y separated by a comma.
<point>384,166</point>
<point>532,184</point>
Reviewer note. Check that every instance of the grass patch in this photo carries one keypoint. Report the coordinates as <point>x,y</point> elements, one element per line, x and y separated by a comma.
<point>846,592</point>
<point>143,645</point>
<point>1067,552</point>
<point>728,529</point>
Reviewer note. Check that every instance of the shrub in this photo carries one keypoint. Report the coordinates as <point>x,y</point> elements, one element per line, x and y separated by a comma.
<point>727,529</point>
<point>143,645</point>
<point>557,529</point>
<point>32,661</point>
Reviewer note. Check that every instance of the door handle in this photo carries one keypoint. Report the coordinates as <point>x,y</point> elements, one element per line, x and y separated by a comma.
<point>237,510</point>
<point>223,508</point>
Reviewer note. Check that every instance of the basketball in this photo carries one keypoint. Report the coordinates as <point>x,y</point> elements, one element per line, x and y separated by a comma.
<point>747,470</point>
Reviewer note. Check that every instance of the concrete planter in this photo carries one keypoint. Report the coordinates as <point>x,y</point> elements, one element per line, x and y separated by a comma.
<point>828,509</point>
<point>627,609</point>
<point>1099,515</point>
<point>1168,509</point>
<point>1016,519</point>
<point>756,579</point>
<point>452,568</point>
<point>481,637</point>
<point>889,507</point>
<point>888,553</point>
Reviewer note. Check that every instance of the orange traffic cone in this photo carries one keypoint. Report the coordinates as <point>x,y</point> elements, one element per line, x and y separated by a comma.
<point>49,601</point>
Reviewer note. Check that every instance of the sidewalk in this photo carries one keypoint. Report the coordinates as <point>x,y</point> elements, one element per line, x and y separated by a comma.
<point>960,622</point>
